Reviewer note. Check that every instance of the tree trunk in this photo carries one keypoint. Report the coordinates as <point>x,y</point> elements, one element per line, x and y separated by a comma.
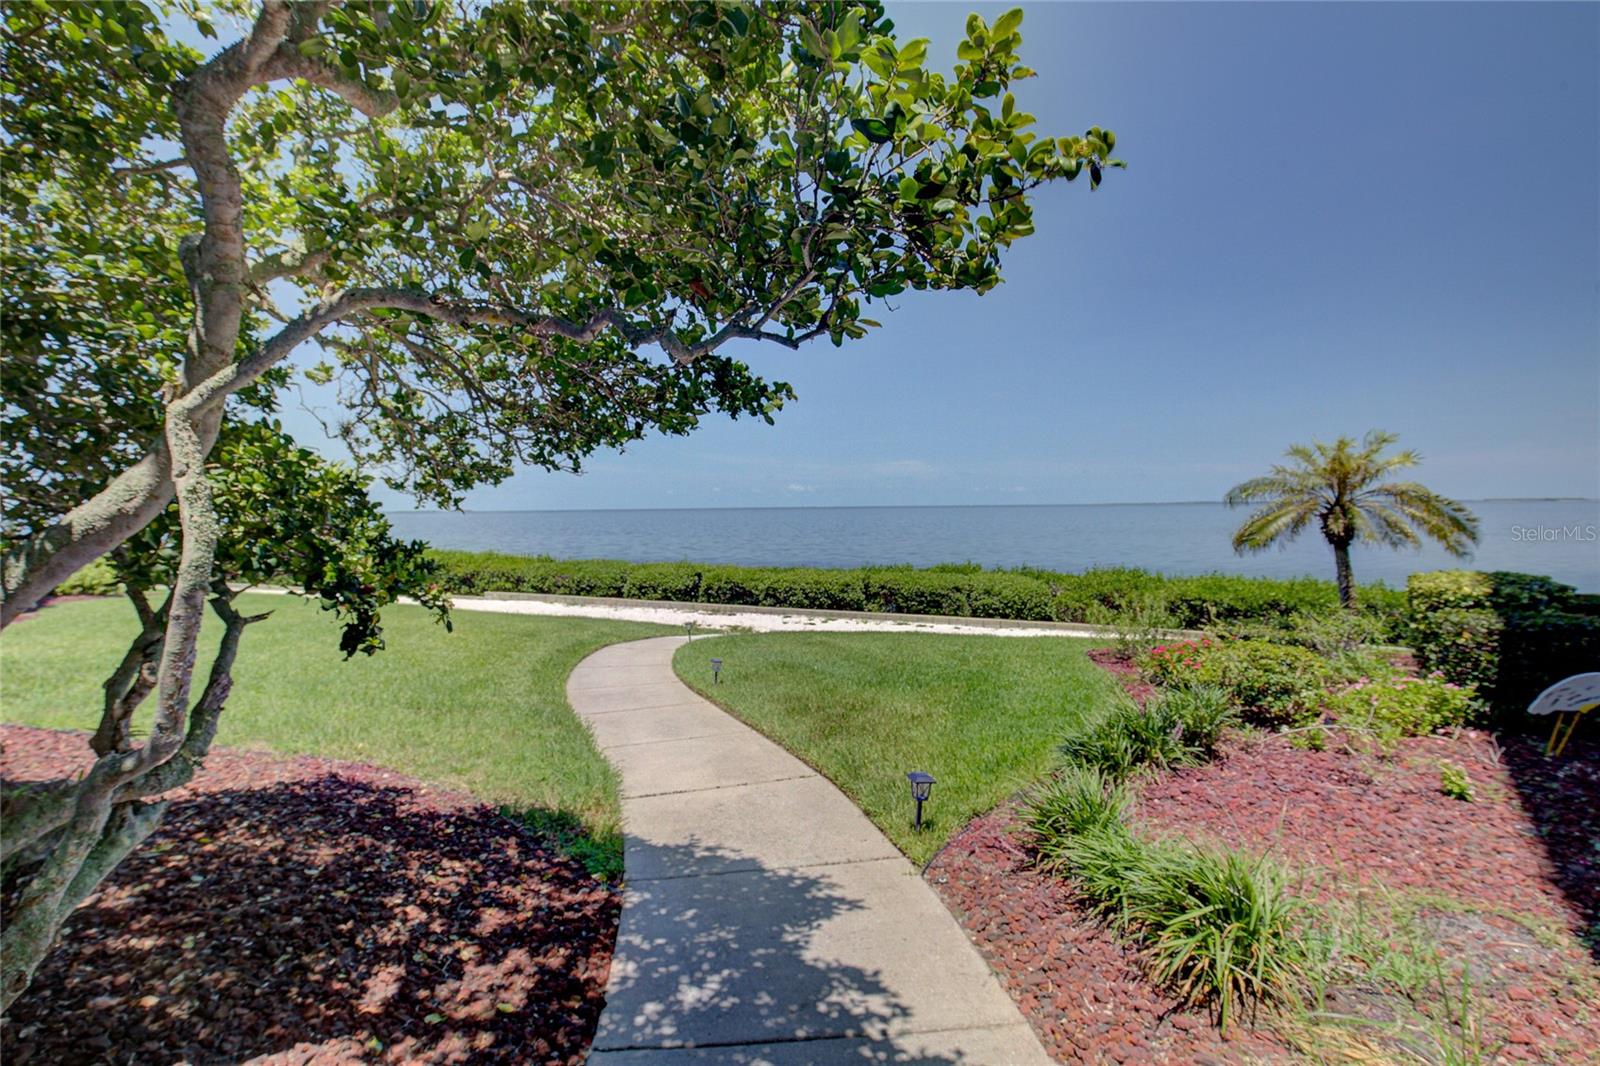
<point>64,838</point>
<point>1347,581</point>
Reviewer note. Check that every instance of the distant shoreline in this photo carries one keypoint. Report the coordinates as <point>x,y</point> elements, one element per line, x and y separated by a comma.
<point>911,506</point>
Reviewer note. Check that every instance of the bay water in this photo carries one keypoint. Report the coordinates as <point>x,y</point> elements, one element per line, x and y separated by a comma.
<point>1560,538</point>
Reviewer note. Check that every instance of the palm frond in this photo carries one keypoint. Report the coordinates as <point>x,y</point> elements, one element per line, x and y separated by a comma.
<point>1272,486</point>
<point>1285,517</point>
<point>1377,524</point>
<point>1343,485</point>
<point>1437,517</point>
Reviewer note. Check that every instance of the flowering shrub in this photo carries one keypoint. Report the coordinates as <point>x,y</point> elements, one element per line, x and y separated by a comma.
<point>1174,665</point>
<point>1392,708</point>
<point>1271,684</point>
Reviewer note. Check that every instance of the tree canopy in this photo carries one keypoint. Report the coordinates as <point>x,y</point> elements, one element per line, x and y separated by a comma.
<point>491,216</point>
<point>517,232</point>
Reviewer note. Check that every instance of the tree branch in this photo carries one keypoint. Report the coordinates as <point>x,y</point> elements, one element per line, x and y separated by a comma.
<point>287,264</point>
<point>151,168</point>
<point>288,62</point>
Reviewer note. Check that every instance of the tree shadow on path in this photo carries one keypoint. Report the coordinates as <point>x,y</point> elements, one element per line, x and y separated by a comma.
<point>737,963</point>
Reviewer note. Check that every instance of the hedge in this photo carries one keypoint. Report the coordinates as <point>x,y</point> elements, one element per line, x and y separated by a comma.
<point>1510,634</point>
<point>960,589</point>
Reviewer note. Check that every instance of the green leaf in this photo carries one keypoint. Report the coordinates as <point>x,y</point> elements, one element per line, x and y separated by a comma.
<point>875,130</point>
<point>812,40</point>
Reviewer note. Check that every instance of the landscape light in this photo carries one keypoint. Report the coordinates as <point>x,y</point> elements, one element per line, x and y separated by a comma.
<point>688,627</point>
<point>921,785</point>
<point>716,671</point>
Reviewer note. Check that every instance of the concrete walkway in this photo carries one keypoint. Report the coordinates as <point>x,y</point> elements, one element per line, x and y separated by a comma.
<point>766,920</point>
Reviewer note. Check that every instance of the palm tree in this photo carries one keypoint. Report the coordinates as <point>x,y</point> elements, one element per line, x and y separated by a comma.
<point>1342,486</point>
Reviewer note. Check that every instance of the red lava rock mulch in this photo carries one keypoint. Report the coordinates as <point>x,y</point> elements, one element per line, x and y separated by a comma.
<point>1526,845</point>
<point>304,910</point>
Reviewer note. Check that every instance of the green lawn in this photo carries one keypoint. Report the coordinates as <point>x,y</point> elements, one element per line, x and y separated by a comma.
<point>981,714</point>
<point>483,708</point>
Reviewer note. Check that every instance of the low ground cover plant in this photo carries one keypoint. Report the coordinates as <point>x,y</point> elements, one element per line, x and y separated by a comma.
<point>1388,709</point>
<point>1454,782</point>
<point>1218,928</point>
<point>1179,728</point>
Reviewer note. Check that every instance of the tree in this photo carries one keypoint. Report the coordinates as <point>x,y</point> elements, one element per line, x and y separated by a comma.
<point>285,513</point>
<point>517,232</point>
<point>1343,487</point>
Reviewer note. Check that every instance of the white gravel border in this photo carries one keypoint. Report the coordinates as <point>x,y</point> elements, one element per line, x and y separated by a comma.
<point>752,621</point>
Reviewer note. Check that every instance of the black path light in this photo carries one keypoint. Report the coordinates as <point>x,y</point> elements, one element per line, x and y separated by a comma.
<point>921,785</point>
<point>716,671</point>
<point>688,627</point>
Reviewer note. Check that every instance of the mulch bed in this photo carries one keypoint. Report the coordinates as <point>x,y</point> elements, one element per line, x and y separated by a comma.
<point>1526,845</point>
<point>303,910</point>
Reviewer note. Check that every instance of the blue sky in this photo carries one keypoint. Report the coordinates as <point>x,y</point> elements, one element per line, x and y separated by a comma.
<point>1336,217</point>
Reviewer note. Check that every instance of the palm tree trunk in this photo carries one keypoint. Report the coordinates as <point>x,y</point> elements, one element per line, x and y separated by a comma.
<point>1347,581</point>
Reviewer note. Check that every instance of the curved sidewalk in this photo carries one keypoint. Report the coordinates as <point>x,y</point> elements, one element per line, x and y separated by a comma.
<point>766,920</point>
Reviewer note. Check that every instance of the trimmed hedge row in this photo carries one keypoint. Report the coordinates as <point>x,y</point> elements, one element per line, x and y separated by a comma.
<point>1512,635</point>
<point>956,590</point>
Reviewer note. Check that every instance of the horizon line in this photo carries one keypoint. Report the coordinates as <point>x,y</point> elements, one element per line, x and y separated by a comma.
<point>916,506</point>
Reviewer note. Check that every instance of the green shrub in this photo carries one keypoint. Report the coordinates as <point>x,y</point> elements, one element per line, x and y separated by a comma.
<point>1116,596</point>
<point>915,592</point>
<point>828,590</point>
<point>1177,664</point>
<point>99,578</point>
<point>1271,684</point>
<point>1510,635</point>
<point>1000,595</point>
<point>1076,596</point>
<point>1442,589</point>
<point>1405,707</point>
<point>739,585</point>
<point>1127,738</point>
<point>1313,739</point>
<point>1140,623</point>
<point>1503,591</point>
<point>1462,643</point>
<point>1514,593</point>
<point>587,577</point>
<point>1539,649</point>
<point>679,582</point>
